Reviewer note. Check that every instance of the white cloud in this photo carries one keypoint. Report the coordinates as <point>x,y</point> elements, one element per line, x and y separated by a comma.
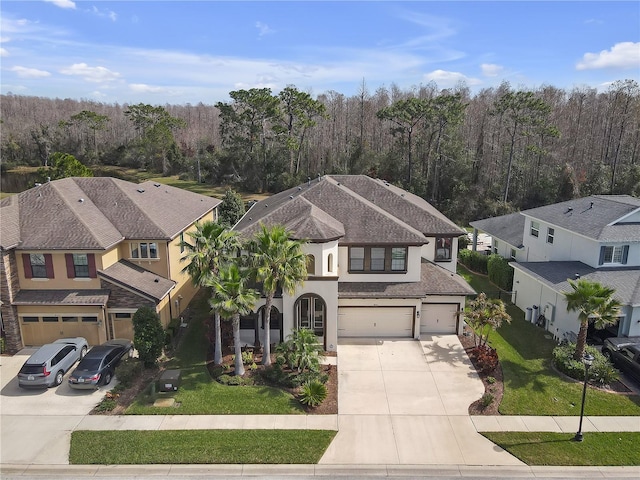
<point>113,16</point>
<point>621,55</point>
<point>491,69</point>
<point>25,72</point>
<point>91,74</point>
<point>264,29</point>
<point>144,88</point>
<point>446,79</point>
<point>63,3</point>
<point>3,52</point>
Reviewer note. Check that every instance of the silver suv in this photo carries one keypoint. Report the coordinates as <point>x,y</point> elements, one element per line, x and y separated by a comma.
<point>47,366</point>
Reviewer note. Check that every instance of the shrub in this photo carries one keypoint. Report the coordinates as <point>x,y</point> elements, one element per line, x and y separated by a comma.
<point>313,393</point>
<point>475,261</point>
<point>301,350</point>
<point>463,242</point>
<point>491,380</point>
<point>601,371</point>
<point>487,358</point>
<point>106,405</point>
<point>486,400</point>
<point>234,380</point>
<point>247,357</point>
<point>500,272</point>
<point>148,335</point>
<point>128,370</point>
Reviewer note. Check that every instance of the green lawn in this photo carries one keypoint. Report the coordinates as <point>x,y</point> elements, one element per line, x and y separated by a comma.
<point>199,394</point>
<point>546,448</point>
<point>199,446</point>
<point>531,385</point>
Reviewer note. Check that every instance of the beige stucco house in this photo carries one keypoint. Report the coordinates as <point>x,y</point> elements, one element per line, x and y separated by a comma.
<point>81,255</point>
<point>382,262</point>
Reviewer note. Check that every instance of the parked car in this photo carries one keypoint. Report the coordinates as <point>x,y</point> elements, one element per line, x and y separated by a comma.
<point>99,364</point>
<point>47,366</point>
<point>624,353</point>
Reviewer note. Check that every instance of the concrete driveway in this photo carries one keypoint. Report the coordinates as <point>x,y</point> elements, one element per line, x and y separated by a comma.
<point>403,401</point>
<point>36,424</point>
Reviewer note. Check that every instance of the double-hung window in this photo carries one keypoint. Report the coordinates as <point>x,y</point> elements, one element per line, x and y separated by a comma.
<point>38,265</point>
<point>377,259</point>
<point>443,249</point>
<point>535,229</point>
<point>81,265</point>
<point>614,254</point>
<point>356,259</point>
<point>398,259</point>
<point>550,234</point>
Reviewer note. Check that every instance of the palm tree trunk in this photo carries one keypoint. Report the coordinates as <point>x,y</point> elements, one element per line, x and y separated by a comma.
<point>239,367</point>
<point>266,348</point>
<point>217,350</point>
<point>582,340</point>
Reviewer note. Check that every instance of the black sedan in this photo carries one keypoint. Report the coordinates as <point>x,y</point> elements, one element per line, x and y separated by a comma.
<point>99,364</point>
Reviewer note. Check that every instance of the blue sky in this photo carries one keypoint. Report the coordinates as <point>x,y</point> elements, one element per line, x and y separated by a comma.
<point>179,52</point>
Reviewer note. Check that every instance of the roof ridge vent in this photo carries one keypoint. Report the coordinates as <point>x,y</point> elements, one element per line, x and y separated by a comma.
<point>140,190</point>
<point>569,210</point>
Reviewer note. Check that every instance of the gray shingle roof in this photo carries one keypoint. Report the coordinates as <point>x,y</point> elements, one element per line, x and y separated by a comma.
<point>96,213</point>
<point>592,216</point>
<point>136,278</point>
<point>367,210</point>
<point>61,297</point>
<point>509,228</point>
<point>434,280</point>
<point>625,280</point>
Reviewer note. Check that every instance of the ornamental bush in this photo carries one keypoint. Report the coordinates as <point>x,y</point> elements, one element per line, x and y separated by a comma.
<point>500,272</point>
<point>475,261</point>
<point>148,335</point>
<point>601,372</point>
<point>313,393</point>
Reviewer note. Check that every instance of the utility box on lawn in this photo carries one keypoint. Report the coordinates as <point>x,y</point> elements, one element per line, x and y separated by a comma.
<point>170,380</point>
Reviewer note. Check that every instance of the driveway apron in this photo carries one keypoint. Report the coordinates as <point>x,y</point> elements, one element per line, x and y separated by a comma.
<point>403,401</point>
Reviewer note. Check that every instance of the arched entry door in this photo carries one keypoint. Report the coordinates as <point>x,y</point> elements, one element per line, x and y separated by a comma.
<point>311,313</point>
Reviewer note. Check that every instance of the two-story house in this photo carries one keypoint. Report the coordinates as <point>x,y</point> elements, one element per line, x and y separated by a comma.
<point>381,262</point>
<point>81,255</point>
<point>597,238</point>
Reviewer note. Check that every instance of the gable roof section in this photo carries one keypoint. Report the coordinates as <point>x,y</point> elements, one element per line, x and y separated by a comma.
<point>356,217</point>
<point>411,208</point>
<point>135,278</point>
<point>625,280</point>
<point>95,213</point>
<point>599,217</point>
<point>509,228</point>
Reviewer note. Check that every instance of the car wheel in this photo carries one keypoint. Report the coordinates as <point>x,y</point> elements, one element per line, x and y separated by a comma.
<point>59,377</point>
<point>606,353</point>
<point>107,378</point>
<point>83,352</point>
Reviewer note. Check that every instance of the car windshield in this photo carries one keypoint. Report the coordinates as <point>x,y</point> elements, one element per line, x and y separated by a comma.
<point>89,364</point>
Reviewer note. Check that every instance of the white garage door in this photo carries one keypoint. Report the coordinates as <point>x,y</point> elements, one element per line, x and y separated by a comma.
<point>438,318</point>
<point>375,322</point>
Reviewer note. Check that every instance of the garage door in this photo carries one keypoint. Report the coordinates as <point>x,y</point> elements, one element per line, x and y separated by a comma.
<point>375,322</point>
<point>438,318</point>
<point>38,330</point>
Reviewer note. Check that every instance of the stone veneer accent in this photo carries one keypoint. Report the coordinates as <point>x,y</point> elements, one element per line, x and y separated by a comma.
<point>123,298</point>
<point>9,287</point>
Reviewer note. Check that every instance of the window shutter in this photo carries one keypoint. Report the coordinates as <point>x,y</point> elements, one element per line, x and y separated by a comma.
<point>625,254</point>
<point>48,263</point>
<point>26,261</point>
<point>91,258</point>
<point>71,271</point>
<point>601,261</point>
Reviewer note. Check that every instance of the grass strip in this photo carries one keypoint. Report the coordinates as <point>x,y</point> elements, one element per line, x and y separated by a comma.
<point>549,448</point>
<point>531,385</point>
<point>136,447</point>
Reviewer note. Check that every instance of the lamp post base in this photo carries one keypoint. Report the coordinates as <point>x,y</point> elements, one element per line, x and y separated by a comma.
<point>577,437</point>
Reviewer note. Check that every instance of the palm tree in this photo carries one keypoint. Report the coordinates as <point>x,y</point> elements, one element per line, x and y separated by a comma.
<point>484,315</point>
<point>232,298</point>
<point>592,301</point>
<point>276,260</point>
<point>211,247</point>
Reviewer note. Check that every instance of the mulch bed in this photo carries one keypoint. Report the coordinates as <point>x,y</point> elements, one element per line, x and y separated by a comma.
<point>496,388</point>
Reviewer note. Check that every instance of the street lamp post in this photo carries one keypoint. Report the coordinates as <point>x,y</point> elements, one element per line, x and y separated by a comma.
<point>587,359</point>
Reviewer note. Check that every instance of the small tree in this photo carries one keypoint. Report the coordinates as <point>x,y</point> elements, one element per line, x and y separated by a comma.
<point>148,335</point>
<point>64,165</point>
<point>231,209</point>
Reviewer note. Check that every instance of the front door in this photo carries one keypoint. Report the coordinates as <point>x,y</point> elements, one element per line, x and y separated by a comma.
<point>311,313</point>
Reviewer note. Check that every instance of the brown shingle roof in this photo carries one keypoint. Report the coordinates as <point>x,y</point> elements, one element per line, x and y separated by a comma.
<point>62,297</point>
<point>142,281</point>
<point>369,212</point>
<point>96,213</point>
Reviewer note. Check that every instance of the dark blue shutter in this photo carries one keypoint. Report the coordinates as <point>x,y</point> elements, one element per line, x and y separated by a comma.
<point>625,254</point>
<point>601,261</point>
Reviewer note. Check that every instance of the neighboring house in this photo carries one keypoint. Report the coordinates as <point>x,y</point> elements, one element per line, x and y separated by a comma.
<point>382,262</point>
<point>597,238</point>
<point>81,255</point>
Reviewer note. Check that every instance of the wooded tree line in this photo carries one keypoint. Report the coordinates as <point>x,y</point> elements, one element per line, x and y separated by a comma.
<point>471,155</point>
